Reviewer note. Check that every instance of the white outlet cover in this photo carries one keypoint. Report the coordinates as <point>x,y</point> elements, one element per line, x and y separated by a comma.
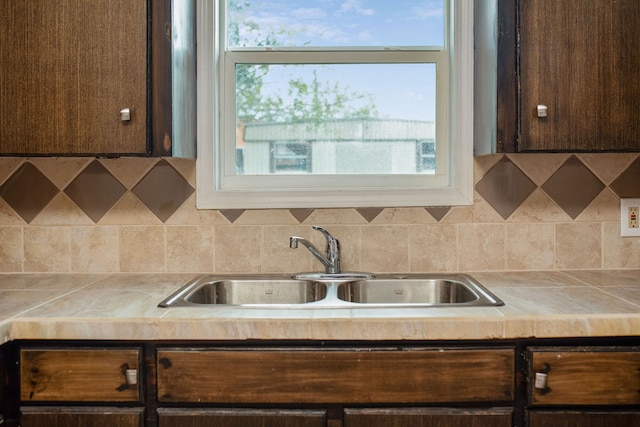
<point>625,231</point>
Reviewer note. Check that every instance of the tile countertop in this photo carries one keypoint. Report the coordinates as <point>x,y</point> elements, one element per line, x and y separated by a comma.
<point>124,307</point>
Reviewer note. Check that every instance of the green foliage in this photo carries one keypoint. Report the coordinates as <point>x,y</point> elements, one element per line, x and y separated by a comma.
<point>306,101</point>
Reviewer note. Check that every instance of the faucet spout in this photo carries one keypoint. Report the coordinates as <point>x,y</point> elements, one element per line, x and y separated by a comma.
<point>331,261</point>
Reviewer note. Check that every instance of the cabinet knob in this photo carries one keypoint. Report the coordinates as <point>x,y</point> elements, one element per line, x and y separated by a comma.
<point>125,114</point>
<point>542,111</point>
<point>131,376</point>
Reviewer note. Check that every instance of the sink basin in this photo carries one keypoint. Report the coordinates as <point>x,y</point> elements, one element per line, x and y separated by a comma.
<point>348,290</point>
<point>433,290</point>
<point>260,290</point>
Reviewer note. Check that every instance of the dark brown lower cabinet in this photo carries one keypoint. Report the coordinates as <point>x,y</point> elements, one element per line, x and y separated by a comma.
<point>582,418</point>
<point>81,417</point>
<point>241,418</point>
<point>428,417</point>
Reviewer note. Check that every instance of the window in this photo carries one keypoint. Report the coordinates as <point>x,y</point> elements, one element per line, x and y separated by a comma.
<point>339,103</point>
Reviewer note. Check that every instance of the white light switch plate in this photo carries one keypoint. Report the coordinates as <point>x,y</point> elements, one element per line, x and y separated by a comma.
<point>629,221</point>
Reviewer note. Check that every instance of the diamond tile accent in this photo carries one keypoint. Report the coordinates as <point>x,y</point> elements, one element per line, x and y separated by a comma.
<point>438,212</point>
<point>573,187</point>
<point>369,213</point>
<point>28,191</point>
<point>505,187</point>
<point>300,214</point>
<point>95,190</point>
<point>163,190</point>
<point>628,183</point>
<point>232,214</point>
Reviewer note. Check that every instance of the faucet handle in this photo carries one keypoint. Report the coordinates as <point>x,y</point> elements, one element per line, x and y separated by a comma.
<point>326,234</point>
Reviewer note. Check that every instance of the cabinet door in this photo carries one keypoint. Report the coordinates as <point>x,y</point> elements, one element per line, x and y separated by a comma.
<point>423,417</point>
<point>240,418</point>
<point>579,58</point>
<point>582,419</point>
<point>338,376</point>
<point>81,417</point>
<point>584,376</point>
<point>78,375</point>
<point>67,68</point>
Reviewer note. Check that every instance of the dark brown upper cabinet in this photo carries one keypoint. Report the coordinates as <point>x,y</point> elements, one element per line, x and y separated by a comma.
<point>568,75</point>
<point>76,77</point>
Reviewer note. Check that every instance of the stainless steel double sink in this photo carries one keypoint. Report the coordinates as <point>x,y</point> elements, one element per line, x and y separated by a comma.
<point>318,290</point>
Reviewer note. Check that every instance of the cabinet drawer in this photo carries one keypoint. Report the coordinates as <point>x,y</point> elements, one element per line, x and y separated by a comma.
<point>81,375</point>
<point>584,376</point>
<point>182,417</point>
<point>344,376</point>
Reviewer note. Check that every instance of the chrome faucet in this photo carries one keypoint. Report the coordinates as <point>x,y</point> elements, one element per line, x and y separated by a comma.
<point>332,261</point>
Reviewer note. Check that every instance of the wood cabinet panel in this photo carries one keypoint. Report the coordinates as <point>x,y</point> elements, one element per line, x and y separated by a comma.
<point>81,417</point>
<point>560,418</point>
<point>578,58</point>
<point>585,376</point>
<point>67,67</point>
<point>432,417</point>
<point>433,375</point>
<point>241,418</point>
<point>80,375</point>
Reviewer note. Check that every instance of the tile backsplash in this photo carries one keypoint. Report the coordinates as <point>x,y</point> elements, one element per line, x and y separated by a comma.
<point>530,212</point>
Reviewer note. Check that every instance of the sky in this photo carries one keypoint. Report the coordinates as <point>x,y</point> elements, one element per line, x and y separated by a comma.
<point>399,91</point>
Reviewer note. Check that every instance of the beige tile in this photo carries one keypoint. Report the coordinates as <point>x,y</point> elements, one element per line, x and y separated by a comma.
<point>141,282</point>
<point>607,166</point>
<point>61,170</point>
<point>605,207</point>
<point>11,249</point>
<point>404,216</point>
<point>539,207</point>
<point>94,304</point>
<point>482,164</point>
<point>13,303</point>
<point>324,217</point>
<point>62,211</point>
<point>238,249</point>
<point>129,210</point>
<point>46,249</point>
<point>578,245</point>
<point>47,282</point>
<point>573,300</point>
<point>602,278</point>
<point>129,170</point>
<point>481,247</point>
<point>539,166</point>
<point>266,217</point>
<point>190,248</point>
<point>630,294</point>
<point>530,246</point>
<point>619,252</point>
<point>188,214</point>
<point>385,248</point>
<point>142,248</point>
<point>8,166</point>
<point>526,279</point>
<point>433,248</point>
<point>8,216</point>
<point>186,168</point>
<point>278,257</point>
<point>94,249</point>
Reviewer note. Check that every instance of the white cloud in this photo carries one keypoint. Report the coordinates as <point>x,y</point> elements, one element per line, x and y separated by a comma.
<point>308,13</point>
<point>355,6</point>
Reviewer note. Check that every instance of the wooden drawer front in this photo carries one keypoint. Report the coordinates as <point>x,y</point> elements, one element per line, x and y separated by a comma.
<point>81,375</point>
<point>335,376</point>
<point>241,418</point>
<point>585,376</point>
<point>582,418</point>
<point>420,417</point>
<point>90,416</point>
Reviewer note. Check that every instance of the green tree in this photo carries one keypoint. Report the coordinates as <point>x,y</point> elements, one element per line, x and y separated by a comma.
<point>306,101</point>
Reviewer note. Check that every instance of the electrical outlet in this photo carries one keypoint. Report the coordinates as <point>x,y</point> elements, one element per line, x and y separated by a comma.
<point>629,220</point>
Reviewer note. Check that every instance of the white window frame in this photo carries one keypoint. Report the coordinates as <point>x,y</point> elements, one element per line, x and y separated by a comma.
<point>219,188</point>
